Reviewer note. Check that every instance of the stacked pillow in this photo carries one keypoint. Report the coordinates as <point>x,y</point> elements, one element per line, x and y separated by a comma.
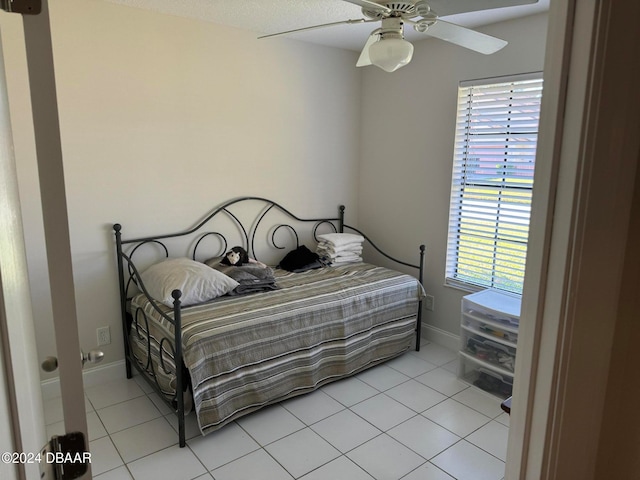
<point>340,248</point>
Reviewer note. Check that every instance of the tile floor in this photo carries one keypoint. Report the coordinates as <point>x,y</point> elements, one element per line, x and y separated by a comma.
<point>409,419</point>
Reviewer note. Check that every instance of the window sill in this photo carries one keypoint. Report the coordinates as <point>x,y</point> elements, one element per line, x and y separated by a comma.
<point>469,288</point>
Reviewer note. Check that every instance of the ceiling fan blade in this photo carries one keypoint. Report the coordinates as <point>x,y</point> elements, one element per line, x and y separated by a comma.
<point>466,37</point>
<point>369,5</point>
<point>313,27</point>
<point>364,59</point>
<point>454,7</point>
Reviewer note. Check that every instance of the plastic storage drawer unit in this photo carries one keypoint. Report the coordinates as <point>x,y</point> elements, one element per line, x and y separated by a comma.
<point>488,340</point>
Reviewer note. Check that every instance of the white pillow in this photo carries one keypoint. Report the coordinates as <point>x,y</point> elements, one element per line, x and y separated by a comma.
<point>197,282</point>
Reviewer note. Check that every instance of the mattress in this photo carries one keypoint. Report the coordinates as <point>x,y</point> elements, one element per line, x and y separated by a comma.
<point>245,352</point>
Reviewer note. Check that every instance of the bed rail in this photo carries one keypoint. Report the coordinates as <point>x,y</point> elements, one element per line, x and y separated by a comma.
<point>245,232</point>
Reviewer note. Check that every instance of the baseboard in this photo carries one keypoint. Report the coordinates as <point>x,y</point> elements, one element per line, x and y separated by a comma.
<point>95,376</point>
<point>441,337</point>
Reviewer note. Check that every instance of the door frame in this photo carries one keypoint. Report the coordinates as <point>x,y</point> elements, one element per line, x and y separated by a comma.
<point>46,124</point>
<point>585,181</point>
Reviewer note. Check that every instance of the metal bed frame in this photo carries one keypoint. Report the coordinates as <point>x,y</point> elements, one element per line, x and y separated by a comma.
<point>247,233</point>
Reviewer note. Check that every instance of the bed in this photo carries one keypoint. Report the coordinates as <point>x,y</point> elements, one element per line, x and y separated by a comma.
<point>229,355</point>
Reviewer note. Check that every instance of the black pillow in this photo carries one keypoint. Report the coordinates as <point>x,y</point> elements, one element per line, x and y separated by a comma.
<point>300,259</point>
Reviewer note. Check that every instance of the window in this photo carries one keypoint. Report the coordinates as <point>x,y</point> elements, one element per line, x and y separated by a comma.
<point>493,165</point>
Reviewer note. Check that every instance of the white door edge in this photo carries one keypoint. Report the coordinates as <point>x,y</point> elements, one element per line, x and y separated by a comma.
<point>20,362</point>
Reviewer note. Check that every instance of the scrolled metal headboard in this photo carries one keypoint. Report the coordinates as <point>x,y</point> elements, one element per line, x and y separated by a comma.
<point>245,231</point>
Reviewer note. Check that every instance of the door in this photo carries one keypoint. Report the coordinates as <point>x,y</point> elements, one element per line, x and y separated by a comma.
<point>21,377</point>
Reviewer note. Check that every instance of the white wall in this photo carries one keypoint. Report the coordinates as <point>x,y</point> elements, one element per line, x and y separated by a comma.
<point>408,128</point>
<point>162,119</point>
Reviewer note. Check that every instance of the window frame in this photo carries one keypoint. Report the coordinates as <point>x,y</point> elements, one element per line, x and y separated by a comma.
<point>507,186</point>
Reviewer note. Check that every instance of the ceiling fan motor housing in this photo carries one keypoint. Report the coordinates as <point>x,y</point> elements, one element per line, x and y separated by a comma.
<point>398,9</point>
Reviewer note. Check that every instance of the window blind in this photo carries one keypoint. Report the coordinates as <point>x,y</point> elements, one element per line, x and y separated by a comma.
<point>492,182</point>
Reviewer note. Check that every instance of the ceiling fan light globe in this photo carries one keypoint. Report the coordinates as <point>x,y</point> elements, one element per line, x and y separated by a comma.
<point>391,54</point>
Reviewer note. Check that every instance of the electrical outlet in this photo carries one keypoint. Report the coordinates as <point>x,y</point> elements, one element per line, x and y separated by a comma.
<point>104,336</point>
<point>430,303</point>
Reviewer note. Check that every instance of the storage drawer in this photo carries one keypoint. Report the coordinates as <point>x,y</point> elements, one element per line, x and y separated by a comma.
<point>491,306</point>
<point>492,351</point>
<point>490,329</point>
<point>485,377</point>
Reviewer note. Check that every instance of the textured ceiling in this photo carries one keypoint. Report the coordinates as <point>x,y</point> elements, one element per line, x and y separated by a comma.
<point>271,16</point>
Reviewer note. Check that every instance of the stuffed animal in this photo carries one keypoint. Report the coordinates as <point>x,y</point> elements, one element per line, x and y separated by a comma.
<point>237,256</point>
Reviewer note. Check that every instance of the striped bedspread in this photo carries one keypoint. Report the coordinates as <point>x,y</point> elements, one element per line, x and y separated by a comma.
<point>246,352</point>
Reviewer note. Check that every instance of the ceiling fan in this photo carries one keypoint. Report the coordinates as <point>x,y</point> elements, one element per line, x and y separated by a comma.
<point>386,47</point>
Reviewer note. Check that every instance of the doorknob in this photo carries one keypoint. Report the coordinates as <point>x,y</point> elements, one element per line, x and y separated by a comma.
<point>50,364</point>
<point>94,356</point>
